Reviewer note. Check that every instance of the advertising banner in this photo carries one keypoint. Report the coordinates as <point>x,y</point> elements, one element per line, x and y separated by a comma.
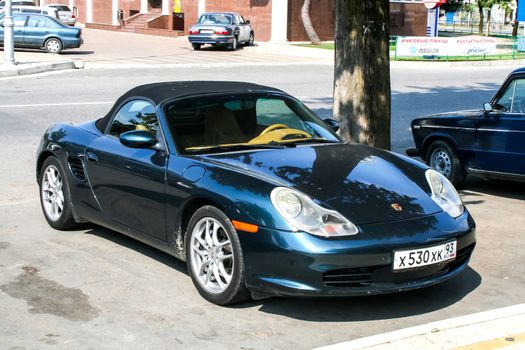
<point>416,46</point>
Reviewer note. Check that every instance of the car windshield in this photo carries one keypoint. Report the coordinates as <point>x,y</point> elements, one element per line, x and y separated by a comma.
<point>215,18</point>
<point>221,123</point>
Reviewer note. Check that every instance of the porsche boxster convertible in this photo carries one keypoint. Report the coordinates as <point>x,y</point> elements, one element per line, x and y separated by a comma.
<point>256,193</point>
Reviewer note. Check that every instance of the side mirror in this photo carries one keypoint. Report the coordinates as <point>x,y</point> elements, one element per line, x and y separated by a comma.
<point>332,123</point>
<point>487,107</point>
<point>139,139</point>
<point>247,21</point>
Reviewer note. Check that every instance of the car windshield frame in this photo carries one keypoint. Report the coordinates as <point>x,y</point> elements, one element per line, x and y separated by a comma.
<point>319,132</point>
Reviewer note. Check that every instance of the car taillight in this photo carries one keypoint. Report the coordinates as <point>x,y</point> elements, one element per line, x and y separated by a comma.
<point>221,32</point>
<point>73,16</point>
<point>194,31</point>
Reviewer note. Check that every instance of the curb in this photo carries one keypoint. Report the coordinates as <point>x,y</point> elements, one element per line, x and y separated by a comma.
<point>386,339</point>
<point>35,68</point>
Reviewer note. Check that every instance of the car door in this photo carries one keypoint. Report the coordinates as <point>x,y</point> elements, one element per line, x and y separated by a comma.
<point>19,22</point>
<point>244,29</point>
<point>129,183</point>
<point>37,29</point>
<point>501,132</point>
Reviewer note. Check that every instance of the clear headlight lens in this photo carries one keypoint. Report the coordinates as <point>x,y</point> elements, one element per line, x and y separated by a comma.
<point>444,193</point>
<point>303,214</point>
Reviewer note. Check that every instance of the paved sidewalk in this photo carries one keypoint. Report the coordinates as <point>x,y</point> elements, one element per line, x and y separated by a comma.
<point>495,329</point>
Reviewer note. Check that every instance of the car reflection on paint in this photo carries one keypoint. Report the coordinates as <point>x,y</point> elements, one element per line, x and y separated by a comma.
<point>257,194</point>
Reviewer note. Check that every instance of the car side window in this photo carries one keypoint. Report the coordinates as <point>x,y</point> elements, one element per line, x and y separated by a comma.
<point>135,115</point>
<point>19,21</point>
<point>39,22</point>
<point>240,20</point>
<point>513,98</point>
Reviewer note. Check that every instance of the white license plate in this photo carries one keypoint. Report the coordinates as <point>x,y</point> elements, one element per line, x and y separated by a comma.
<point>407,259</point>
<point>206,31</point>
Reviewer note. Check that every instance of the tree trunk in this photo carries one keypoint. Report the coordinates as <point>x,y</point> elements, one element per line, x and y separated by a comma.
<point>308,27</point>
<point>362,71</point>
<point>487,32</point>
<point>480,25</point>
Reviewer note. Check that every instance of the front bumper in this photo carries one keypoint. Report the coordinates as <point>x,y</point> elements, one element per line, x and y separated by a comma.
<point>211,39</point>
<point>280,263</point>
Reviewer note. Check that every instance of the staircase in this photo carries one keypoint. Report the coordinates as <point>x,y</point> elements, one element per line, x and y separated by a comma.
<point>140,21</point>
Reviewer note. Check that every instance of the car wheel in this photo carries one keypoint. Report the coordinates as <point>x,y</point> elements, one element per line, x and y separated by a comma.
<point>196,46</point>
<point>214,257</point>
<point>233,45</point>
<point>442,157</point>
<point>251,41</point>
<point>53,45</point>
<point>55,197</point>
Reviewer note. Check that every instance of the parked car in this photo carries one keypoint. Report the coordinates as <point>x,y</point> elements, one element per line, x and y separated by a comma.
<point>256,193</point>
<point>18,3</point>
<point>221,28</point>
<point>64,14</point>
<point>39,31</point>
<point>488,142</point>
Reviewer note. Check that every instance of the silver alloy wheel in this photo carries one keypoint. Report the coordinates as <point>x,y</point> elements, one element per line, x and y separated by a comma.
<point>52,193</point>
<point>234,43</point>
<point>441,161</point>
<point>53,45</point>
<point>251,41</point>
<point>211,255</point>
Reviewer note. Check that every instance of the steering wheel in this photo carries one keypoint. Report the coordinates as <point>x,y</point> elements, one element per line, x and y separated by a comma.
<point>273,127</point>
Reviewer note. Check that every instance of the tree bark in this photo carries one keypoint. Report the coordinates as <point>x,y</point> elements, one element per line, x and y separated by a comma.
<point>489,12</point>
<point>480,25</point>
<point>362,71</point>
<point>307,23</point>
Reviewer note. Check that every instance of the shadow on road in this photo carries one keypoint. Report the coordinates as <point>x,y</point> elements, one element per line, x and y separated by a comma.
<point>329,309</point>
<point>494,187</point>
<point>137,246</point>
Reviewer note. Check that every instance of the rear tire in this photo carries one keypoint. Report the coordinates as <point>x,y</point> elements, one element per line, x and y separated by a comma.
<point>214,257</point>
<point>53,45</point>
<point>234,43</point>
<point>442,157</point>
<point>196,47</point>
<point>55,197</point>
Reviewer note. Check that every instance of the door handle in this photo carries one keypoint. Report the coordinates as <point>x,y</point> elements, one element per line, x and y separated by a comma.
<point>92,157</point>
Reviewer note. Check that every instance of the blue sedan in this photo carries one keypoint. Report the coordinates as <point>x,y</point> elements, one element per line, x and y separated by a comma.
<point>40,31</point>
<point>489,142</point>
<point>256,193</point>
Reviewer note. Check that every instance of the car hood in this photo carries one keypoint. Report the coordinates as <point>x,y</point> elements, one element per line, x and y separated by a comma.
<point>362,183</point>
<point>456,114</point>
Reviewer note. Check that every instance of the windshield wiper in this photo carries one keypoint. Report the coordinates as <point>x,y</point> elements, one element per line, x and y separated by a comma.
<point>238,147</point>
<point>310,140</point>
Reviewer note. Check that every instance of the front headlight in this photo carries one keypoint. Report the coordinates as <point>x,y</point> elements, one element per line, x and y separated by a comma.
<point>303,214</point>
<point>444,193</point>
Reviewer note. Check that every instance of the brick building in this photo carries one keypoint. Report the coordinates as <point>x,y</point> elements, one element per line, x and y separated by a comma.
<point>276,20</point>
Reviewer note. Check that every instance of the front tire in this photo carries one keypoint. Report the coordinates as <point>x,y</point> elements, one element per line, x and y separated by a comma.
<point>442,157</point>
<point>55,197</point>
<point>53,45</point>
<point>214,257</point>
<point>251,41</point>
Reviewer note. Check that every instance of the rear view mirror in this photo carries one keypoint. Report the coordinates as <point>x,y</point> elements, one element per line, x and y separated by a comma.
<point>332,124</point>
<point>247,21</point>
<point>487,107</point>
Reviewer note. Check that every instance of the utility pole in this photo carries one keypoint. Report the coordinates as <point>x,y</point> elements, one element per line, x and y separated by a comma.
<point>9,47</point>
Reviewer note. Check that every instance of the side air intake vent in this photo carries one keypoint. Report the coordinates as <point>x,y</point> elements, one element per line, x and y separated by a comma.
<point>77,168</point>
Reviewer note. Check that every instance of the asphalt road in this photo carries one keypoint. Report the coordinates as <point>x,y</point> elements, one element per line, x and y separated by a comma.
<point>93,288</point>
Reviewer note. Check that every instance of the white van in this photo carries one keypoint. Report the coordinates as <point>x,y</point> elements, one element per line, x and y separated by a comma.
<point>43,10</point>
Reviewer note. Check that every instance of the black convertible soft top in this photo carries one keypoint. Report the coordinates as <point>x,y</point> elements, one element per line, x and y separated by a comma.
<point>161,92</point>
